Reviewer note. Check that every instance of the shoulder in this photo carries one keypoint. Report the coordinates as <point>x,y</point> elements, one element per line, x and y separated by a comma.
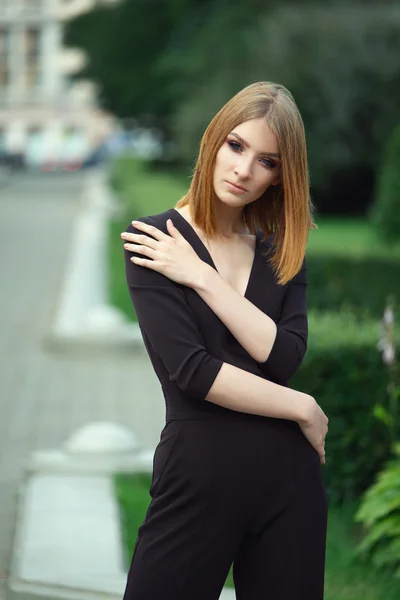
<point>158,220</point>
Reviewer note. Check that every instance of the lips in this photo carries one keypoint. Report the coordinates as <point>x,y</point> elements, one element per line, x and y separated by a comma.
<point>239,187</point>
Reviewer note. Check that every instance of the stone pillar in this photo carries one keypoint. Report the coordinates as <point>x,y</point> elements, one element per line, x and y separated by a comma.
<point>52,83</point>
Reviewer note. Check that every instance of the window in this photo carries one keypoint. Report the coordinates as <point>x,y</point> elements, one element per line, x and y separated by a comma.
<point>4,56</point>
<point>32,57</point>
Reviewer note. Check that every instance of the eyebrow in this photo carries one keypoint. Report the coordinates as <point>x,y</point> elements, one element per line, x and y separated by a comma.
<point>276,155</point>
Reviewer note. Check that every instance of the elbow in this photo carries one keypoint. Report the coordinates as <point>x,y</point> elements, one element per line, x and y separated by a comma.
<point>285,357</point>
<point>287,366</point>
<point>295,360</point>
<point>196,374</point>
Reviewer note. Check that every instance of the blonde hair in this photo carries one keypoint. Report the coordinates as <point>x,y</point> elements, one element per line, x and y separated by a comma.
<point>284,210</point>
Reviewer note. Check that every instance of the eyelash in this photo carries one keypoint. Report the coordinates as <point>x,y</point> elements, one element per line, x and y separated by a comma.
<point>236,146</point>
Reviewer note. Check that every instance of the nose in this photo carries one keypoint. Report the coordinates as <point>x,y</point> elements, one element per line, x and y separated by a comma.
<point>243,168</point>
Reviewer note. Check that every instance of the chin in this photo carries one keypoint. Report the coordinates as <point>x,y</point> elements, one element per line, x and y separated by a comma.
<point>230,200</point>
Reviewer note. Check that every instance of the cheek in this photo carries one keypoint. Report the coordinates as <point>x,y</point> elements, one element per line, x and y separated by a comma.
<point>223,158</point>
<point>264,181</point>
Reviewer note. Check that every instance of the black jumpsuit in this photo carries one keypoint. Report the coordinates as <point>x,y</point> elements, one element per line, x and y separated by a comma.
<point>227,487</point>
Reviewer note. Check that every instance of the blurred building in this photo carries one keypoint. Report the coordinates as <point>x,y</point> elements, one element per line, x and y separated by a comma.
<point>45,118</point>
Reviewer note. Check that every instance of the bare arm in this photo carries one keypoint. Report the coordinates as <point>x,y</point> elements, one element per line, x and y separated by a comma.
<point>255,330</point>
<point>279,348</point>
<point>242,391</point>
<point>171,327</point>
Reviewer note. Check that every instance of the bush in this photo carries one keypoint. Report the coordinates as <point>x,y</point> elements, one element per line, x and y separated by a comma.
<point>385,213</point>
<point>343,371</point>
<point>359,284</point>
<point>380,513</point>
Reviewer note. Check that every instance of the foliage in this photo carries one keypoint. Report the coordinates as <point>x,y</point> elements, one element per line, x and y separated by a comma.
<point>359,283</point>
<point>333,59</point>
<point>342,370</point>
<point>123,43</point>
<point>175,66</point>
<point>385,213</point>
<point>380,513</point>
<point>388,412</point>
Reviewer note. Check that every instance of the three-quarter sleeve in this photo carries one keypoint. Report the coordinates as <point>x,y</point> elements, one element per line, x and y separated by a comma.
<point>168,322</point>
<point>290,344</point>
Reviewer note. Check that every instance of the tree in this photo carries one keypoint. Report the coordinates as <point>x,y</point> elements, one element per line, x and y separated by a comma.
<point>341,64</point>
<point>385,213</point>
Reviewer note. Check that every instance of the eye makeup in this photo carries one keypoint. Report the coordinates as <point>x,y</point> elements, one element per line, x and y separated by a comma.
<point>237,147</point>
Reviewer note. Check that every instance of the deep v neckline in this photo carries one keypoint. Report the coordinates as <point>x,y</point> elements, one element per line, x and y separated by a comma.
<point>204,252</point>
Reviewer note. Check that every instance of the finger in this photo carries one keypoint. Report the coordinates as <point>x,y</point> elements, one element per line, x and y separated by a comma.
<point>150,230</point>
<point>151,252</point>
<point>144,262</point>
<point>174,231</point>
<point>139,239</point>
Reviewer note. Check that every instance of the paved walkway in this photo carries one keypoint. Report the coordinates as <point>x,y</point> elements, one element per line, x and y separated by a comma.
<point>44,397</point>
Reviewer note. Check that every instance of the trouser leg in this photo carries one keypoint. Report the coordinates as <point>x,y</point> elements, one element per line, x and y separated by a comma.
<point>178,565</point>
<point>188,540</point>
<point>285,559</point>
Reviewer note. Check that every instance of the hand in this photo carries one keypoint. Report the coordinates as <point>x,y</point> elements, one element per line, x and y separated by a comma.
<point>314,425</point>
<point>171,255</point>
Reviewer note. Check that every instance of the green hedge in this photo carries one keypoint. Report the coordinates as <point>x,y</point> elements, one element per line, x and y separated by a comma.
<point>385,212</point>
<point>343,371</point>
<point>360,284</point>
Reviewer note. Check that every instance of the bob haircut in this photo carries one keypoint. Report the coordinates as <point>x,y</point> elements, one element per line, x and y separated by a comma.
<point>284,210</point>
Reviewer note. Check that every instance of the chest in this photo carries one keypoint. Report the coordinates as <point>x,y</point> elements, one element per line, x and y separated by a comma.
<point>234,261</point>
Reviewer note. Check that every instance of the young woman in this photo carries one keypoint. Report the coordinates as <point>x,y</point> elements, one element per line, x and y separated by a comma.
<point>219,287</point>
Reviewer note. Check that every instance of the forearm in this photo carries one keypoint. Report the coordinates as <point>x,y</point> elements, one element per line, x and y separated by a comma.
<point>254,330</point>
<point>242,391</point>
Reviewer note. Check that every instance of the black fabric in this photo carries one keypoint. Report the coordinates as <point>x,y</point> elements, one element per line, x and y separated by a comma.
<point>246,493</point>
<point>227,487</point>
<point>187,343</point>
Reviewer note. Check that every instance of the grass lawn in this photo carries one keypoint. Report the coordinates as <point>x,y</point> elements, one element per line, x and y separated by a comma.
<point>346,578</point>
<point>348,237</point>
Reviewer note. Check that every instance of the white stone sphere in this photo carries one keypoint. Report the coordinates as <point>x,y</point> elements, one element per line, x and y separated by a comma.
<point>101,437</point>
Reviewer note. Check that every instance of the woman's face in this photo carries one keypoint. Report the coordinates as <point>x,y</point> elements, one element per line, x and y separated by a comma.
<point>247,158</point>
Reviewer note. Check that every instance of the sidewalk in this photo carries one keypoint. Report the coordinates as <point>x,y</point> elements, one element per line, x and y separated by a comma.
<point>45,397</point>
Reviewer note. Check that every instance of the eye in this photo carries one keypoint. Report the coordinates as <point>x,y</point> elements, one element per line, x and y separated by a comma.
<point>268,162</point>
<point>234,145</point>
